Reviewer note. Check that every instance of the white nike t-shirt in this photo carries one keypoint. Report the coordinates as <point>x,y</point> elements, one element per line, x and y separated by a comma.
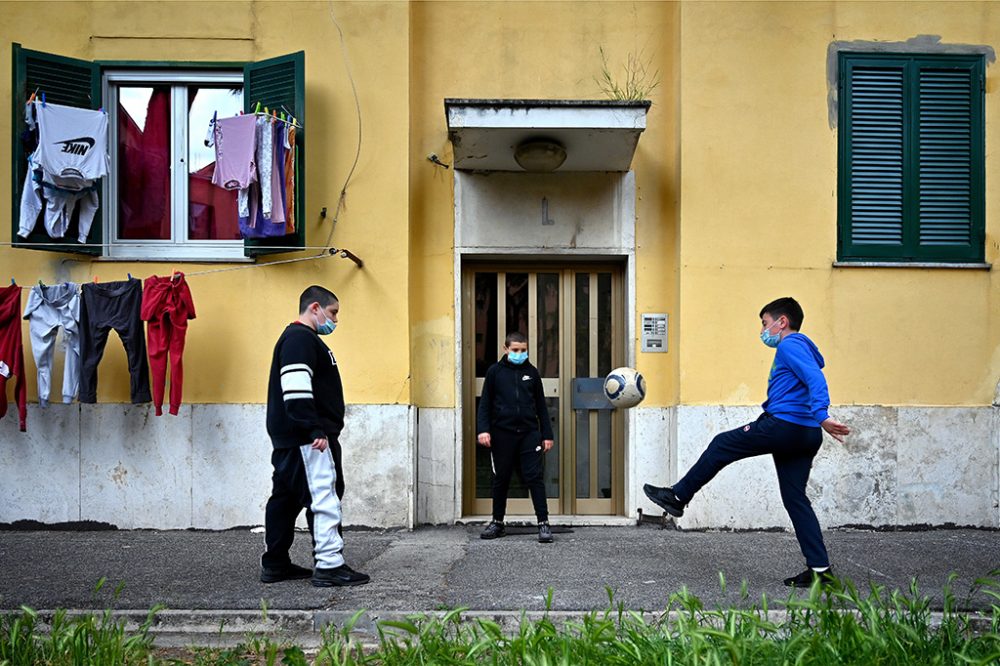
<point>72,142</point>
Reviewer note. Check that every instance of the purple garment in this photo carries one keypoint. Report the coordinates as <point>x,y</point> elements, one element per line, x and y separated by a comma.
<point>234,152</point>
<point>256,225</point>
<point>264,228</point>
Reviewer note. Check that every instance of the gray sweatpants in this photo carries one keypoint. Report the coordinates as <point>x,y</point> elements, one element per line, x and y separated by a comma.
<point>50,308</point>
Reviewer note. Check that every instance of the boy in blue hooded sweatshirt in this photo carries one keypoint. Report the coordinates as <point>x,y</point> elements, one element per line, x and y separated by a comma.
<point>790,429</point>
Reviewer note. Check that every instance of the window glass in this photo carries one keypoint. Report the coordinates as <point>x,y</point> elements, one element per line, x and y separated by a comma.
<point>144,162</point>
<point>212,210</point>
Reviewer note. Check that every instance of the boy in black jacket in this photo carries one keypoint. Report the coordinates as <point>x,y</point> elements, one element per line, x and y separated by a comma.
<point>305,414</point>
<point>513,422</point>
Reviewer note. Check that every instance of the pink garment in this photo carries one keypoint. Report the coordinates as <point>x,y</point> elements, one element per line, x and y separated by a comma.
<point>278,174</point>
<point>235,141</point>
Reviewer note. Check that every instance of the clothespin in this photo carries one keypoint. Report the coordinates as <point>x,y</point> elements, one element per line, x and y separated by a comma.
<point>282,116</point>
<point>95,279</point>
<point>274,116</point>
<point>129,276</point>
<point>40,283</point>
<point>257,108</point>
<point>32,98</point>
<point>215,116</point>
<point>12,283</point>
<point>43,99</point>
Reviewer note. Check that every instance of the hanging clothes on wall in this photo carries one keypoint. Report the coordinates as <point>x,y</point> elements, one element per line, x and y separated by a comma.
<point>64,170</point>
<point>167,306</point>
<point>106,306</point>
<point>290,179</point>
<point>235,145</point>
<point>261,164</point>
<point>12,353</point>
<point>49,308</point>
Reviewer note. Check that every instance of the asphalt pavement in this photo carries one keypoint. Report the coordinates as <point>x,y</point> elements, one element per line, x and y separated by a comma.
<point>208,579</point>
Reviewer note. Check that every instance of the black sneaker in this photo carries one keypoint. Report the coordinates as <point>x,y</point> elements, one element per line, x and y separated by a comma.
<point>665,499</point>
<point>287,572</point>
<point>807,577</point>
<point>544,532</point>
<point>341,576</point>
<point>494,530</point>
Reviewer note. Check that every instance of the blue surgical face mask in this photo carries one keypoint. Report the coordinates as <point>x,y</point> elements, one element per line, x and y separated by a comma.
<point>768,338</point>
<point>327,327</point>
<point>517,358</point>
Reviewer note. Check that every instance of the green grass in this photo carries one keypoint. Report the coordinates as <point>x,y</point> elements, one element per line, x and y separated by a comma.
<point>841,625</point>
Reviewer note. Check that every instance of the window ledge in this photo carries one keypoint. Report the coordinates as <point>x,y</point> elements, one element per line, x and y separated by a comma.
<point>983,266</point>
<point>175,259</point>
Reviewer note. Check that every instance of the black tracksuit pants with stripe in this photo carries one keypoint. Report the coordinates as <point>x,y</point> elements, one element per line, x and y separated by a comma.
<point>290,493</point>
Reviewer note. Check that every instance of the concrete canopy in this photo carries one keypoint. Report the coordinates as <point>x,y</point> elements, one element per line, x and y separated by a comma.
<point>597,135</point>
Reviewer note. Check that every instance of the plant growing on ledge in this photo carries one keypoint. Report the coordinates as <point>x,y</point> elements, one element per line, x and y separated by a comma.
<point>637,82</point>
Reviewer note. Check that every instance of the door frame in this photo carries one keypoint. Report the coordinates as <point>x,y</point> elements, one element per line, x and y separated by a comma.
<point>623,353</point>
<point>616,245</point>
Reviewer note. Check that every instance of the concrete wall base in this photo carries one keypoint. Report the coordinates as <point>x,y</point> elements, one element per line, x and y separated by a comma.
<point>209,467</point>
<point>206,468</point>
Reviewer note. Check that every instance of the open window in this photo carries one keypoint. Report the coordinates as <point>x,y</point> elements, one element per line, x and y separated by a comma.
<point>158,201</point>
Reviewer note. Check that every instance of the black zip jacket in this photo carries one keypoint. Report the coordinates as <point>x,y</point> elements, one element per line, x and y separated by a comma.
<point>513,400</point>
<point>305,399</point>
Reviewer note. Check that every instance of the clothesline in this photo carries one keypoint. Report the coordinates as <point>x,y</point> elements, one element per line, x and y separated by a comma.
<point>330,252</point>
<point>273,115</point>
<point>57,241</point>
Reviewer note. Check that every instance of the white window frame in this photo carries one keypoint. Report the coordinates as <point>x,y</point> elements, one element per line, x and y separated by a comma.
<point>180,247</point>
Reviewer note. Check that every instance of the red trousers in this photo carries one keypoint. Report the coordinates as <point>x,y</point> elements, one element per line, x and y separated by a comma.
<point>167,306</point>
<point>12,352</point>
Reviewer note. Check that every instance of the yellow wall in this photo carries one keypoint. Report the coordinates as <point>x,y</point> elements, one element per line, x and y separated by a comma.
<point>741,113</point>
<point>534,50</point>
<point>759,213</point>
<point>241,313</point>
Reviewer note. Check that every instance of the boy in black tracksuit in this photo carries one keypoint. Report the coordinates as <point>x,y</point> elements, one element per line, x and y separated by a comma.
<point>305,415</point>
<point>513,422</point>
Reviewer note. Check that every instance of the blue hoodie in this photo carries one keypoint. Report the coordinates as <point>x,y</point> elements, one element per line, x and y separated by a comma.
<point>796,387</point>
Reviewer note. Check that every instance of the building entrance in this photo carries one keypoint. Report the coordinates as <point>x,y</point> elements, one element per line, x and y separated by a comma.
<point>573,317</point>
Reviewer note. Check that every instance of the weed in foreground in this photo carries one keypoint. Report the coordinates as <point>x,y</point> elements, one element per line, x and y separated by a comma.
<point>836,625</point>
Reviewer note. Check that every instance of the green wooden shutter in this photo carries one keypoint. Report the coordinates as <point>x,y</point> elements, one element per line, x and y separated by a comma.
<point>949,161</point>
<point>279,83</point>
<point>873,122</point>
<point>911,158</point>
<point>66,81</point>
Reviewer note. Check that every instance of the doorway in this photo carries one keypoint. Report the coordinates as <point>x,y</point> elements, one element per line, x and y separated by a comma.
<point>573,317</point>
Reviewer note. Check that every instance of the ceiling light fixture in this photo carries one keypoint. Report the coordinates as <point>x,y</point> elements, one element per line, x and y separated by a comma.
<point>539,155</point>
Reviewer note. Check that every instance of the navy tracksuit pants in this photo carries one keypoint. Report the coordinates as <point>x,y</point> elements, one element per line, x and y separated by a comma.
<point>793,447</point>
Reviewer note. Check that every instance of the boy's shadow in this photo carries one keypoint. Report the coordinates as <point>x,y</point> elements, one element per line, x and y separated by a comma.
<point>513,530</point>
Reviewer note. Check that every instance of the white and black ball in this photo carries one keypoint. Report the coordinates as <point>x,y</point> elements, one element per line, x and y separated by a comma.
<point>624,387</point>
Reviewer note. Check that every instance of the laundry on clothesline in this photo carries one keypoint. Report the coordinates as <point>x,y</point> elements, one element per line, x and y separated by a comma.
<point>63,171</point>
<point>12,353</point>
<point>49,309</point>
<point>255,154</point>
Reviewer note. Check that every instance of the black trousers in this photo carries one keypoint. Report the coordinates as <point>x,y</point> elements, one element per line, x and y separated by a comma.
<point>793,448</point>
<point>106,306</point>
<point>523,450</point>
<point>289,495</point>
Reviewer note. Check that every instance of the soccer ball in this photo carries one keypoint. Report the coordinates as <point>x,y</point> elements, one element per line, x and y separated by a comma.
<point>624,387</point>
